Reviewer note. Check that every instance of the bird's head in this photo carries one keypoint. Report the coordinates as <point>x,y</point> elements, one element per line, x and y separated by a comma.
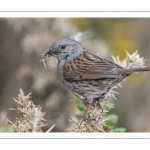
<point>64,50</point>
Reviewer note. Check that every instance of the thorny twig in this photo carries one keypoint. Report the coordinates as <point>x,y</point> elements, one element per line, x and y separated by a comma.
<point>31,119</point>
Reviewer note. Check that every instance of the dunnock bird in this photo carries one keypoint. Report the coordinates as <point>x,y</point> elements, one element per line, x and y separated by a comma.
<point>85,73</point>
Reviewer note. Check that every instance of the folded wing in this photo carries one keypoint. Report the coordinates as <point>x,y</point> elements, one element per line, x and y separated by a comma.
<point>88,66</point>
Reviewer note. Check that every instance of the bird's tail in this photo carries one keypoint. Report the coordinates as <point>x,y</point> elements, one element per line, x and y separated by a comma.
<point>132,70</point>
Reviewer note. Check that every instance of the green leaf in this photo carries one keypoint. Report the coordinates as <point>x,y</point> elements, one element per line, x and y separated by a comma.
<point>8,129</point>
<point>112,120</point>
<point>79,104</point>
<point>109,106</point>
<point>79,116</point>
<point>77,100</point>
<point>80,107</point>
<point>118,130</point>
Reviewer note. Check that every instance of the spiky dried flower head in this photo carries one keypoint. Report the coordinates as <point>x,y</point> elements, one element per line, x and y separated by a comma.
<point>131,61</point>
<point>93,124</point>
<point>31,119</point>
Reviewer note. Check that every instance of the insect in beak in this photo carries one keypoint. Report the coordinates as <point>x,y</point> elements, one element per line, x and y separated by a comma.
<point>42,58</point>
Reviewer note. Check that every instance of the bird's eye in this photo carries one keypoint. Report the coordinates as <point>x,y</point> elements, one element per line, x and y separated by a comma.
<point>63,46</point>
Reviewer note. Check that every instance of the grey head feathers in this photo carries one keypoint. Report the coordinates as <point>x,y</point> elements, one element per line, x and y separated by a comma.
<point>65,50</point>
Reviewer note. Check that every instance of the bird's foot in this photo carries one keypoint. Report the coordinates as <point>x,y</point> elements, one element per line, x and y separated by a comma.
<point>97,102</point>
<point>101,108</point>
<point>85,119</point>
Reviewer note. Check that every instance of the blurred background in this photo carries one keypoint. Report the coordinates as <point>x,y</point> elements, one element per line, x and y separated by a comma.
<point>23,40</point>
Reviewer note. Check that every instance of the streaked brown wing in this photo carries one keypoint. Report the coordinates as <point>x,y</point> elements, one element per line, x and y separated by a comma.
<point>88,66</point>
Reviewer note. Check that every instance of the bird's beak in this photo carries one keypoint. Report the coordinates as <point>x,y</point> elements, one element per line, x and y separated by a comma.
<point>47,53</point>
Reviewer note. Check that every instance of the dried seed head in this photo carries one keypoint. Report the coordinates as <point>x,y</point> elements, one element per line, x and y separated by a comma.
<point>32,118</point>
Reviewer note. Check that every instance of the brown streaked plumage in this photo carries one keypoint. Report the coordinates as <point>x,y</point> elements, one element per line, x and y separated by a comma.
<point>89,66</point>
<point>85,73</point>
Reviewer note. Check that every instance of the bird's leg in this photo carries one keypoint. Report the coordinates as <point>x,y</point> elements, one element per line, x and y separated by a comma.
<point>85,117</point>
<point>100,107</point>
<point>97,101</point>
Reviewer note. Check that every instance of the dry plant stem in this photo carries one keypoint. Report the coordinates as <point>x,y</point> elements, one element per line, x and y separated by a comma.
<point>44,64</point>
<point>35,120</point>
<point>50,129</point>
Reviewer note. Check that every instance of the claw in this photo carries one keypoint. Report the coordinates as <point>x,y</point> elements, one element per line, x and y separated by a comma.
<point>90,119</point>
<point>85,119</point>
